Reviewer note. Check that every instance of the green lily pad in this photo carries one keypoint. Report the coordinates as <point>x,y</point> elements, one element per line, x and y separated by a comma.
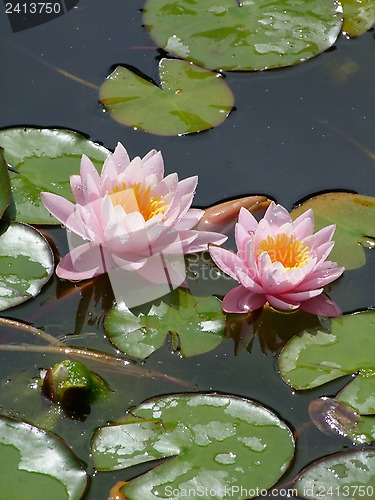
<point>225,35</point>
<point>196,325</point>
<point>4,184</point>
<point>189,99</point>
<point>343,475</point>
<point>36,464</point>
<point>26,263</point>
<point>45,160</point>
<point>359,16</point>
<point>354,216</point>
<point>219,442</point>
<point>360,393</point>
<point>318,356</point>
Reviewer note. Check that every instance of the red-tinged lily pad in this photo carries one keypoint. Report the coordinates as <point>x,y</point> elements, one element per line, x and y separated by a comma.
<point>4,184</point>
<point>359,16</point>
<point>36,464</point>
<point>219,442</point>
<point>247,35</point>
<point>343,475</point>
<point>354,216</point>
<point>189,99</point>
<point>26,263</point>
<point>196,325</point>
<point>45,160</point>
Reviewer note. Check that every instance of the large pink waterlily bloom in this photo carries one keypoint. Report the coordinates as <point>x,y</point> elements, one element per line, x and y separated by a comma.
<point>126,214</point>
<point>279,261</point>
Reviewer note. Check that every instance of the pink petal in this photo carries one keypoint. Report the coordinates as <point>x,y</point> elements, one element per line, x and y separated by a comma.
<point>83,262</point>
<point>242,237</point>
<point>248,282</point>
<point>87,171</point>
<point>240,300</point>
<point>323,236</point>
<point>304,224</point>
<point>276,302</point>
<point>109,176</point>
<point>301,296</point>
<point>247,220</point>
<point>226,260</point>
<point>153,164</point>
<point>321,306</point>
<point>77,189</point>
<point>276,216</point>
<point>322,276</point>
<point>120,158</point>
<point>167,185</point>
<point>187,186</point>
<point>190,219</point>
<point>203,239</point>
<point>61,208</point>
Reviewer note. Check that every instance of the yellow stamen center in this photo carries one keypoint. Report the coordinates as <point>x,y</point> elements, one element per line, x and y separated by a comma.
<point>137,199</point>
<point>285,249</point>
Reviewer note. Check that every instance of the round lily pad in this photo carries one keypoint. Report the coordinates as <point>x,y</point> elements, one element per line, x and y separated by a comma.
<point>26,263</point>
<point>219,442</point>
<point>189,99</point>
<point>45,160</point>
<point>36,464</point>
<point>247,35</point>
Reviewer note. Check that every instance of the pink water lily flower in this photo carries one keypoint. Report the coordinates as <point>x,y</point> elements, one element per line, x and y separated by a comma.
<point>130,211</point>
<point>279,261</point>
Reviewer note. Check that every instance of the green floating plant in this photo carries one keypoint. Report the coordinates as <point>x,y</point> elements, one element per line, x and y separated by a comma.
<point>354,216</point>
<point>189,99</point>
<point>343,475</point>
<point>44,159</point>
<point>215,443</point>
<point>26,263</point>
<point>359,16</point>
<point>72,385</point>
<point>229,35</point>
<point>196,326</point>
<point>37,464</point>
<point>317,357</point>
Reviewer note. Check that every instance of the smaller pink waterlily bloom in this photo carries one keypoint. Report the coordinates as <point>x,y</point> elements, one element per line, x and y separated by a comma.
<point>126,214</point>
<point>281,262</point>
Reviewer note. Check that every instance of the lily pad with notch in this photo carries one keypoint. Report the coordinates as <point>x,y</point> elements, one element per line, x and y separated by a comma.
<point>26,263</point>
<point>44,159</point>
<point>196,325</point>
<point>218,442</point>
<point>243,36</point>
<point>34,461</point>
<point>189,99</point>
<point>320,355</point>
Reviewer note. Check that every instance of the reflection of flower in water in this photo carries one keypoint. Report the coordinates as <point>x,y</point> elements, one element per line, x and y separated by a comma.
<point>130,212</point>
<point>280,262</point>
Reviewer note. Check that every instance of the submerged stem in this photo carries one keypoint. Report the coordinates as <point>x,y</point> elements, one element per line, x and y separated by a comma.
<point>121,364</point>
<point>31,329</point>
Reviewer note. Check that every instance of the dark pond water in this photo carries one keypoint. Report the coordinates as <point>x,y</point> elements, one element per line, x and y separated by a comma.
<point>294,132</point>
